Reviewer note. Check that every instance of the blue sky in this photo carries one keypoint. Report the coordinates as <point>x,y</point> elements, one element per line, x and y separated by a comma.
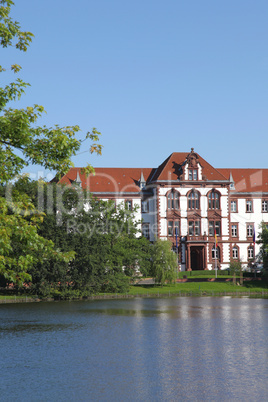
<point>155,77</point>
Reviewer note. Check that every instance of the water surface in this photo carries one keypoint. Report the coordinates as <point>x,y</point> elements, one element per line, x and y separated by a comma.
<point>174,349</point>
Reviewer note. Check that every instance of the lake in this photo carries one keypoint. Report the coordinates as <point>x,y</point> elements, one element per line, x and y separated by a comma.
<point>155,349</point>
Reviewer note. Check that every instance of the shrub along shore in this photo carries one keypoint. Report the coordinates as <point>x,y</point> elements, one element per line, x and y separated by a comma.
<point>254,288</point>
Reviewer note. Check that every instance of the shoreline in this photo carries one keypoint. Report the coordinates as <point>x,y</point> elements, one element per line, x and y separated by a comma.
<point>236,294</point>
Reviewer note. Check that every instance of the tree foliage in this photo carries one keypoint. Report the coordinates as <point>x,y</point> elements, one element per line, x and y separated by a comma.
<point>109,252</point>
<point>51,147</point>
<point>235,267</point>
<point>164,262</point>
<point>263,241</point>
<point>23,142</point>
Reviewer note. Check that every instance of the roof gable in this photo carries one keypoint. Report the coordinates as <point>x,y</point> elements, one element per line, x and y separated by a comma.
<point>172,168</point>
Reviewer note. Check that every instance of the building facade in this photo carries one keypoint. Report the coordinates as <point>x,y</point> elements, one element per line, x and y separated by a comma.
<point>210,215</point>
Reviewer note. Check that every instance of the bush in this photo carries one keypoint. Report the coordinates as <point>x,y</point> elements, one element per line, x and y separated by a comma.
<point>264,274</point>
<point>235,267</point>
<point>116,283</point>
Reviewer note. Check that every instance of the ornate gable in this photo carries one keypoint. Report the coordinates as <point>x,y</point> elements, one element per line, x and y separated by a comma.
<point>173,214</point>
<point>213,215</point>
<point>192,159</point>
<point>193,215</point>
<point>193,168</point>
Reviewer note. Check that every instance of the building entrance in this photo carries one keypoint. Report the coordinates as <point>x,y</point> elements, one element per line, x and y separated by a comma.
<point>197,258</point>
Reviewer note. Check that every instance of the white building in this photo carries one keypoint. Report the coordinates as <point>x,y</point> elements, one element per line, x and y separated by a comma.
<point>211,215</point>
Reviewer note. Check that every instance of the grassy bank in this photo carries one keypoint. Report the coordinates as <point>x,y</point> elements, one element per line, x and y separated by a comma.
<point>210,288</point>
<point>212,274</point>
<point>17,298</point>
<point>258,288</point>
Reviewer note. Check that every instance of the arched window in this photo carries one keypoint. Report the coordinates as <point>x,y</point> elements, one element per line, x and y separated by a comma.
<point>173,200</point>
<point>235,253</point>
<point>215,253</point>
<point>214,200</point>
<point>193,200</point>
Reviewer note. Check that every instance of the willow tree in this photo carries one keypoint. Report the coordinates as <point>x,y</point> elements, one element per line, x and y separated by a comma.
<point>24,143</point>
<point>164,262</point>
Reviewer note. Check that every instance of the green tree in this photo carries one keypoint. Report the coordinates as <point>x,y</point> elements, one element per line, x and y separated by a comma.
<point>164,262</point>
<point>23,142</point>
<point>263,241</point>
<point>236,270</point>
<point>109,251</point>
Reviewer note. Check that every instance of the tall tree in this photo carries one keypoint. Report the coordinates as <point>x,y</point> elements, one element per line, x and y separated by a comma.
<point>109,252</point>
<point>263,241</point>
<point>164,262</point>
<point>22,142</point>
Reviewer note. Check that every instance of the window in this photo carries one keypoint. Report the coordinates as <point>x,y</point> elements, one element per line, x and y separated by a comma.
<point>250,229</point>
<point>235,253</point>
<point>249,206</point>
<point>128,204</point>
<point>214,200</point>
<point>250,252</point>
<point>173,200</point>
<point>194,228</point>
<point>233,206</point>
<point>214,226</point>
<point>177,228</point>
<point>146,230</point>
<point>173,228</point>
<point>193,200</point>
<point>142,184</point>
<point>234,230</point>
<point>193,174</point>
<point>264,206</point>
<point>170,228</point>
<point>144,206</point>
<point>215,253</point>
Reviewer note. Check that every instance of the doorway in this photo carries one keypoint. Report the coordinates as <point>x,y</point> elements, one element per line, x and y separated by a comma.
<point>197,258</point>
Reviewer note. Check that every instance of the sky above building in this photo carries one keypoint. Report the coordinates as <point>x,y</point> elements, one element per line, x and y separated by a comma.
<point>154,76</point>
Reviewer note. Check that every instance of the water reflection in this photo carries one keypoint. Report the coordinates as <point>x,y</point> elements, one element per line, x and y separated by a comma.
<point>138,350</point>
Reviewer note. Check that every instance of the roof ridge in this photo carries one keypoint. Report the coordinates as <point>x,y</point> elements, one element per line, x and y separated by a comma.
<point>211,165</point>
<point>160,168</point>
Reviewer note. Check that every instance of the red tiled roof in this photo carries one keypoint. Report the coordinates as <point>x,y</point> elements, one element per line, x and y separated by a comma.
<point>169,170</point>
<point>248,180</point>
<point>108,180</point>
<point>126,180</point>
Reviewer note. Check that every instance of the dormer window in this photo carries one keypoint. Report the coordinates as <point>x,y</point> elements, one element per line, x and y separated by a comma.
<point>194,171</point>
<point>193,174</point>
